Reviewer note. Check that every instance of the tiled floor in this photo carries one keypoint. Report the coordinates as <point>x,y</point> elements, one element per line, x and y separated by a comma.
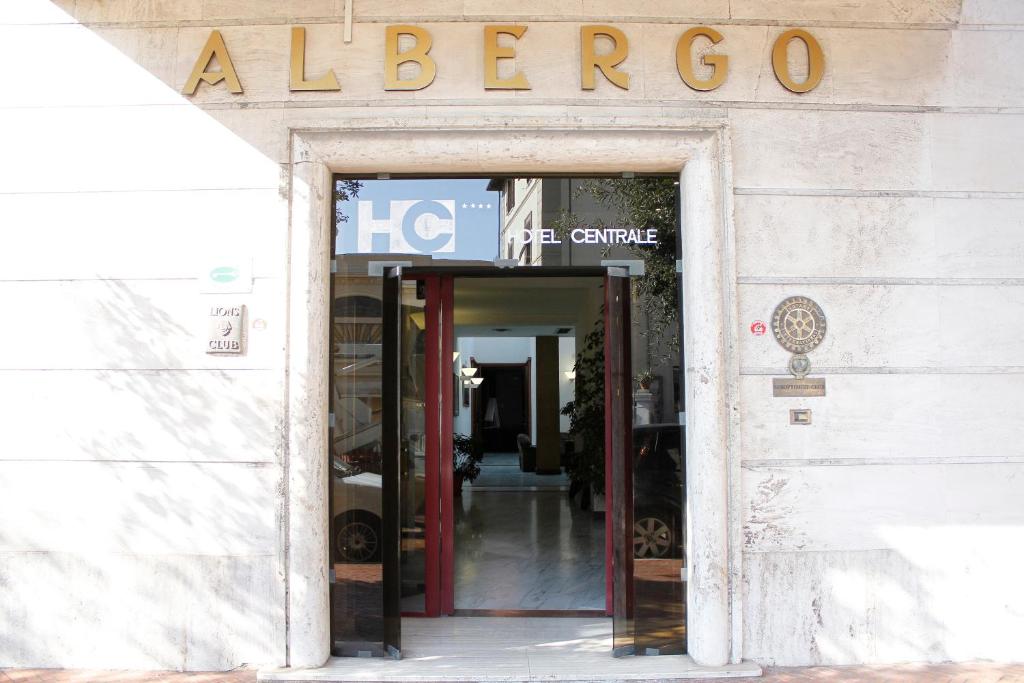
<point>509,649</point>
<point>527,550</point>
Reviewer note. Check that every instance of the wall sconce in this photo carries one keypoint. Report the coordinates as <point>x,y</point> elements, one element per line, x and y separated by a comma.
<point>469,372</point>
<point>474,382</point>
<point>455,356</point>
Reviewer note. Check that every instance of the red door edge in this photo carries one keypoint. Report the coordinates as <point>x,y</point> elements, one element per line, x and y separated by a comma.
<point>608,529</point>
<point>447,502</point>
<point>432,416</point>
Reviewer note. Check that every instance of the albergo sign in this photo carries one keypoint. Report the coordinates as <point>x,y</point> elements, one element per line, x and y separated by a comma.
<point>608,63</point>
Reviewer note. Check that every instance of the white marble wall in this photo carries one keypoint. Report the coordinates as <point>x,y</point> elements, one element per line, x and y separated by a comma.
<point>142,483</point>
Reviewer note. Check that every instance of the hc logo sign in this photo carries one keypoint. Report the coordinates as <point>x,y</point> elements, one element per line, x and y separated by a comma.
<point>407,226</point>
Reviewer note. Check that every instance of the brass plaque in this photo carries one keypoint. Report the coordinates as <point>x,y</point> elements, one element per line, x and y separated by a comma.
<point>799,324</point>
<point>783,387</point>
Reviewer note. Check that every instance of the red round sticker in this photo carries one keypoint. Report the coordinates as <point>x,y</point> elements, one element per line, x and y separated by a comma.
<point>758,328</point>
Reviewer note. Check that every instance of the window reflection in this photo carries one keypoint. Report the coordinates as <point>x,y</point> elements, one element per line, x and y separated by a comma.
<point>413,452</point>
<point>356,589</point>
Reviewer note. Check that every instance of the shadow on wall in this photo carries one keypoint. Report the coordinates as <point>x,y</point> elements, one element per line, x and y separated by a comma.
<point>142,484</point>
<point>151,539</point>
<point>879,564</point>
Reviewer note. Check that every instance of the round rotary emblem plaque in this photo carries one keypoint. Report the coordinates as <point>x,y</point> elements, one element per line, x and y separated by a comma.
<point>799,324</point>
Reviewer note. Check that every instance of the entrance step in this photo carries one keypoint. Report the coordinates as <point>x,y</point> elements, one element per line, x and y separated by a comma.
<point>508,649</point>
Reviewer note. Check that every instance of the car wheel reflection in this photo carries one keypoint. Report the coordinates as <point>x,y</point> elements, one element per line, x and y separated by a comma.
<point>652,537</point>
<point>357,538</point>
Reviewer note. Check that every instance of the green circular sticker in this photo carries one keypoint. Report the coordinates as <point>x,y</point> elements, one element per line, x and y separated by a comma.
<point>224,274</point>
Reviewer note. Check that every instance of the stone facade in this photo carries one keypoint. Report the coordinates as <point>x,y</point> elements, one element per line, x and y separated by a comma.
<point>148,490</point>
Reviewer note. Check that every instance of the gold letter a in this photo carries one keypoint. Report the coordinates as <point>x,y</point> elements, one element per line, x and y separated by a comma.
<point>214,47</point>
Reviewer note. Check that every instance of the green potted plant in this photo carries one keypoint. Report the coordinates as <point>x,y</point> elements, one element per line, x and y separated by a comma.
<point>467,452</point>
<point>644,379</point>
<point>586,415</point>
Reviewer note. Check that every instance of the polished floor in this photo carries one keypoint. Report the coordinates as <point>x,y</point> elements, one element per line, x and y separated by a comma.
<point>508,649</point>
<point>500,472</point>
<point>526,548</point>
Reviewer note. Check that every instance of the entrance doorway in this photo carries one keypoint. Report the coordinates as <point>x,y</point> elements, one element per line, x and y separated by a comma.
<point>408,434</point>
<point>419,313</point>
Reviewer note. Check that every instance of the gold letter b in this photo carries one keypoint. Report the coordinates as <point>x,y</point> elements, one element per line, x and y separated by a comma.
<point>418,53</point>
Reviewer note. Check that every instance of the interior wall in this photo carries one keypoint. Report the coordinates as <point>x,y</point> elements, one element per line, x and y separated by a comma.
<point>566,385</point>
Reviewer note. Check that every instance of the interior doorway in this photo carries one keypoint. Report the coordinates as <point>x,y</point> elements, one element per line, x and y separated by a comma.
<point>502,405</point>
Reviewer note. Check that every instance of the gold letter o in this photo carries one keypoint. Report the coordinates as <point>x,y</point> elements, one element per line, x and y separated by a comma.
<point>815,60</point>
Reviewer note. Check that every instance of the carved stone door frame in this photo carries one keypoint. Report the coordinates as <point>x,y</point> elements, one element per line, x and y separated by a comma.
<point>564,140</point>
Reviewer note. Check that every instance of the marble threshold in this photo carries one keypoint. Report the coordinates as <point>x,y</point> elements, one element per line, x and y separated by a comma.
<point>508,649</point>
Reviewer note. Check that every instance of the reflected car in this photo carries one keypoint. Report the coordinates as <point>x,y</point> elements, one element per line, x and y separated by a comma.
<point>357,514</point>
<point>659,489</point>
<point>357,503</point>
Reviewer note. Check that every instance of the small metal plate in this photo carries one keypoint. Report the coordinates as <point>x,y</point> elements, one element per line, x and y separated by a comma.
<point>226,327</point>
<point>799,388</point>
<point>800,416</point>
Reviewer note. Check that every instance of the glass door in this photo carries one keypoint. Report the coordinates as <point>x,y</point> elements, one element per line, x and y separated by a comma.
<point>395,448</point>
<point>420,422</point>
<point>619,457</point>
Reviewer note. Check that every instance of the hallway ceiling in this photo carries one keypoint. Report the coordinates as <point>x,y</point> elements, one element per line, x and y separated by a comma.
<point>527,307</point>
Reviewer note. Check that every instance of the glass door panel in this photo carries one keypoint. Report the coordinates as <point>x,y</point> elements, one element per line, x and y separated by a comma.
<point>619,456</point>
<point>356,570</point>
<point>413,392</point>
<point>659,539</point>
<point>394,344</point>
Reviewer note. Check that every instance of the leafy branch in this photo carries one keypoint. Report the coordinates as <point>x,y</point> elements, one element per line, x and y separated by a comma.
<point>586,412</point>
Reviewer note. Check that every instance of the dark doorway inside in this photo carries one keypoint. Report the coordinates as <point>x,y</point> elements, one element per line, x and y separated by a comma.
<point>502,411</point>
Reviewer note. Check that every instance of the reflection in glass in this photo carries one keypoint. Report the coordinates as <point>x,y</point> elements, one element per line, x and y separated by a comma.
<point>413,452</point>
<point>355,543</point>
<point>658,541</point>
